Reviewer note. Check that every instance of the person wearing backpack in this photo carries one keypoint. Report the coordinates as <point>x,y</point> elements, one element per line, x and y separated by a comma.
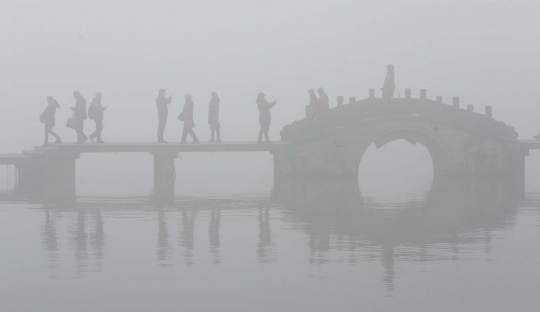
<point>47,117</point>
<point>95,112</point>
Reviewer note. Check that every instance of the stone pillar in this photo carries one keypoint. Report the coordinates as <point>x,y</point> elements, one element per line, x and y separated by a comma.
<point>455,101</point>
<point>164,175</point>
<point>438,99</point>
<point>371,93</point>
<point>470,108</point>
<point>352,99</point>
<point>423,94</point>
<point>407,93</point>
<point>489,111</point>
<point>59,177</point>
<point>340,100</point>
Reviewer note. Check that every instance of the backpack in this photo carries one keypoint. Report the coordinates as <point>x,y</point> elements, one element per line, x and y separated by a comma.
<point>92,111</point>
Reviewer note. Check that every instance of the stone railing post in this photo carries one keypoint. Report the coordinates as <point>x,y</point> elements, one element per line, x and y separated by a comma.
<point>455,101</point>
<point>438,99</point>
<point>470,108</point>
<point>407,93</point>
<point>340,100</point>
<point>371,93</point>
<point>423,94</point>
<point>489,111</point>
<point>352,99</point>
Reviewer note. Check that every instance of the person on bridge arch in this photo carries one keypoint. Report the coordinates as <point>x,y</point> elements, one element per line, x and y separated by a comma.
<point>163,112</point>
<point>47,117</point>
<point>265,118</point>
<point>313,108</point>
<point>213,118</point>
<point>389,85</point>
<point>79,113</point>
<point>324,104</point>
<point>95,112</point>
<point>187,117</point>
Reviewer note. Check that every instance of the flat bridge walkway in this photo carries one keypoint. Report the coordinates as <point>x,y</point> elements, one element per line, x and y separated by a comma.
<point>140,147</point>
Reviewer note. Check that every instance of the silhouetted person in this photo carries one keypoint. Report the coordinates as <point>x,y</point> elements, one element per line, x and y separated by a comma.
<point>265,118</point>
<point>95,112</point>
<point>324,104</point>
<point>47,117</point>
<point>213,118</point>
<point>163,111</point>
<point>79,113</point>
<point>389,85</point>
<point>187,117</point>
<point>313,107</point>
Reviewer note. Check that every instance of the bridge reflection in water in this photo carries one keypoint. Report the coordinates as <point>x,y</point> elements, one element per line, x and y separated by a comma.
<point>339,223</point>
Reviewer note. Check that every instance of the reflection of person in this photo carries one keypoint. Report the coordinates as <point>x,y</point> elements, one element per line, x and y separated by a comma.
<point>47,117</point>
<point>79,113</point>
<point>187,118</point>
<point>95,112</point>
<point>313,107</point>
<point>163,112</point>
<point>213,118</point>
<point>265,118</point>
<point>389,84</point>
<point>324,104</point>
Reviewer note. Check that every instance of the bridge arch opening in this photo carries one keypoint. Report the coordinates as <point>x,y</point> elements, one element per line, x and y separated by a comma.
<point>396,169</point>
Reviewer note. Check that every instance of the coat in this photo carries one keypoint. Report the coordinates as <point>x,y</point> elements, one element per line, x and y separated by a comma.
<point>97,109</point>
<point>324,104</point>
<point>162,105</point>
<point>389,86</point>
<point>47,117</point>
<point>80,109</point>
<point>187,113</point>
<point>265,118</point>
<point>213,111</point>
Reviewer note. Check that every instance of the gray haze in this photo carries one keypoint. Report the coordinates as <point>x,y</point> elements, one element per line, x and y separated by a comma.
<point>233,240</point>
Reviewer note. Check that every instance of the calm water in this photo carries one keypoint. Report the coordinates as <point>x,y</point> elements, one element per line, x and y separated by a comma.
<point>235,241</point>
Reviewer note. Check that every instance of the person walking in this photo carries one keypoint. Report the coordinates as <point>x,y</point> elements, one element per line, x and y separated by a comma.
<point>213,118</point>
<point>79,114</point>
<point>324,104</point>
<point>163,112</point>
<point>187,117</point>
<point>95,112</point>
<point>265,118</point>
<point>313,107</point>
<point>48,118</point>
<point>389,85</point>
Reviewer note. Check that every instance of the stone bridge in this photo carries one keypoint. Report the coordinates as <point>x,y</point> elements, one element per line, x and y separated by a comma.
<point>460,141</point>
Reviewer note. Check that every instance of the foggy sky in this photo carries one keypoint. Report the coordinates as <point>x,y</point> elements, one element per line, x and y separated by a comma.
<point>484,51</point>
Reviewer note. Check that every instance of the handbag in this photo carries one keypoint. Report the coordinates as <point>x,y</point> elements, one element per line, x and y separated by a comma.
<point>182,116</point>
<point>72,123</point>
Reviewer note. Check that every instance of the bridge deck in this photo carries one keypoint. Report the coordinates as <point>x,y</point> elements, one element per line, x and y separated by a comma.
<point>530,144</point>
<point>136,147</point>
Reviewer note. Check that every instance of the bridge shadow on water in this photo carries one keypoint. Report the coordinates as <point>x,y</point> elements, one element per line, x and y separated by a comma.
<point>339,223</point>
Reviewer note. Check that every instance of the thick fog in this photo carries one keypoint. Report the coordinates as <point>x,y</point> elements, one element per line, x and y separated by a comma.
<point>483,51</point>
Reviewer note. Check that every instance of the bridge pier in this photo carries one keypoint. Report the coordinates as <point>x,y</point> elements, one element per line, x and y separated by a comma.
<point>164,175</point>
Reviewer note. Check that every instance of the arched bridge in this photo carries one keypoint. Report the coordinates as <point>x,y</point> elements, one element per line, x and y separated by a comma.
<point>459,141</point>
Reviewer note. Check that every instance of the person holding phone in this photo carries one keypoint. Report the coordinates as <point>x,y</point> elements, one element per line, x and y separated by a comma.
<point>163,112</point>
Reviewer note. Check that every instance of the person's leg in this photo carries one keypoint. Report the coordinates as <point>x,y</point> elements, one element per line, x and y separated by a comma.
<point>46,141</point>
<point>212,132</point>
<point>193,136</point>
<point>266,129</point>
<point>184,135</point>
<point>99,128</point>
<point>81,137</point>
<point>261,132</point>
<point>218,133</point>
<point>161,128</point>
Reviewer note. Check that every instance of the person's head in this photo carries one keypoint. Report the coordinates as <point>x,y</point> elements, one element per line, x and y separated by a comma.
<point>50,99</point>
<point>188,97</point>
<point>390,68</point>
<point>260,96</point>
<point>98,95</point>
<point>162,92</point>
<point>76,94</point>
<point>311,92</point>
<point>320,90</point>
<point>214,95</point>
